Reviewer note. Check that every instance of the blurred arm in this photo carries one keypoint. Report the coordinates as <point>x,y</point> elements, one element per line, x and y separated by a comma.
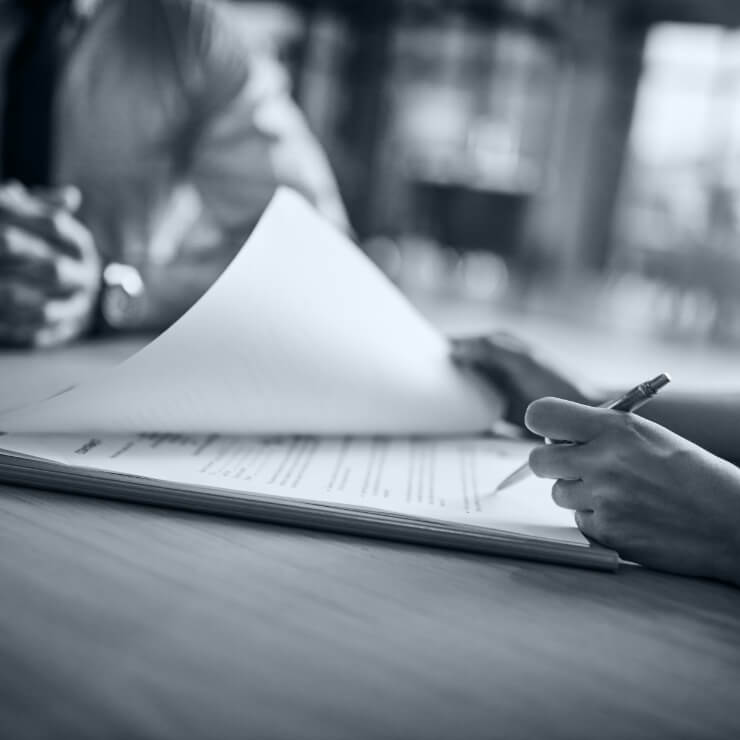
<point>256,142</point>
<point>245,139</point>
<point>711,421</point>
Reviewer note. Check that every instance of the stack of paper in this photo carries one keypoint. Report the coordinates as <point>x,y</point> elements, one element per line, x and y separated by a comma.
<point>302,388</point>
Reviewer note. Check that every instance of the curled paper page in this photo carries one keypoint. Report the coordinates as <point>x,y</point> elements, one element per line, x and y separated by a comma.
<point>301,334</point>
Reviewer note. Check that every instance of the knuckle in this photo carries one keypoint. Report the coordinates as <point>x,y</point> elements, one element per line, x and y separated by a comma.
<point>62,271</point>
<point>599,492</point>
<point>601,450</point>
<point>69,310</point>
<point>72,232</point>
<point>603,504</point>
<point>617,503</point>
<point>64,227</point>
<point>606,490</point>
<point>624,424</point>
<point>14,240</point>
<point>60,220</point>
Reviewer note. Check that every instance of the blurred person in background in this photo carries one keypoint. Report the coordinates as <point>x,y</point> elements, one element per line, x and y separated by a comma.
<point>140,142</point>
<point>663,491</point>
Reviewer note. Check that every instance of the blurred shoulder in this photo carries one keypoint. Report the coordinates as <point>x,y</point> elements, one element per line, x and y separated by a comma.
<point>188,19</point>
<point>193,37</point>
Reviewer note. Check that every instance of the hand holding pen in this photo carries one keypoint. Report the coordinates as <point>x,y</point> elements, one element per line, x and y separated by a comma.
<point>639,488</point>
<point>635,486</point>
<point>630,401</point>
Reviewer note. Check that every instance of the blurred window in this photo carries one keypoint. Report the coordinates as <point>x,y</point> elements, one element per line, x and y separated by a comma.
<point>678,221</point>
<point>682,179</point>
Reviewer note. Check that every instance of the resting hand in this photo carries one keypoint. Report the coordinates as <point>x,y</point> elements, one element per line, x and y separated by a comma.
<point>512,368</point>
<point>636,487</point>
<point>49,268</point>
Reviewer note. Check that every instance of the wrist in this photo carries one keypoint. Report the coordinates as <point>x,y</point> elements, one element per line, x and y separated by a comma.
<point>727,563</point>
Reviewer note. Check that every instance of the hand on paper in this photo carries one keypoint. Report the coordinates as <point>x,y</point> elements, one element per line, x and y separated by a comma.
<point>512,368</point>
<point>654,497</point>
<point>49,267</point>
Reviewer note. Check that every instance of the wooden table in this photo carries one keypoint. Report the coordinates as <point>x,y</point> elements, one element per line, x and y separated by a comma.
<point>133,622</point>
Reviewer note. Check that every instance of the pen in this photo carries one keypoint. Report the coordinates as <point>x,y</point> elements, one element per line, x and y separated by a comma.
<point>630,401</point>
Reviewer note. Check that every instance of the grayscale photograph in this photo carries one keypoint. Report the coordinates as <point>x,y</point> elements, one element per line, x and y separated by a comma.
<point>369,369</point>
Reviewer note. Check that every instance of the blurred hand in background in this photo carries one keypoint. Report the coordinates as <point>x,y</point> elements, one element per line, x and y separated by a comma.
<point>49,267</point>
<point>512,367</point>
<point>175,156</point>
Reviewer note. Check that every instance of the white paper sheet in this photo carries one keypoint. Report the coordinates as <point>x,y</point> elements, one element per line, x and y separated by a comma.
<point>300,335</point>
<point>446,479</point>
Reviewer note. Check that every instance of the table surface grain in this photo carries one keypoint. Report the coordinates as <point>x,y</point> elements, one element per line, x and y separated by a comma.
<point>128,621</point>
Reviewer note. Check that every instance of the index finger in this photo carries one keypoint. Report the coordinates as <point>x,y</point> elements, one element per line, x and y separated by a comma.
<point>565,420</point>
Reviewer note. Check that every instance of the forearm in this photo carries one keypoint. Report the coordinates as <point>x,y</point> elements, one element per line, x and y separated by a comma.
<point>710,420</point>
